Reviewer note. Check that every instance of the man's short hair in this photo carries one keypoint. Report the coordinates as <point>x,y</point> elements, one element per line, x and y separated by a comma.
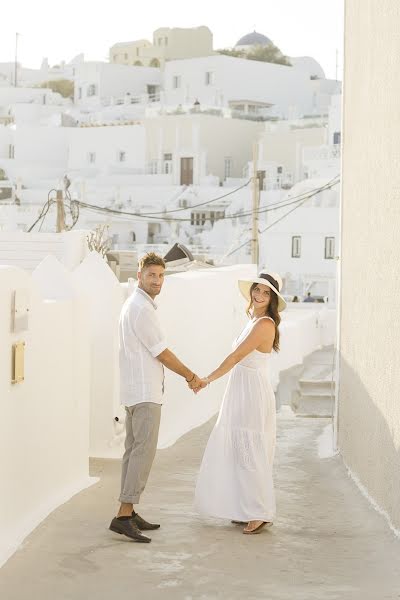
<point>151,258</point>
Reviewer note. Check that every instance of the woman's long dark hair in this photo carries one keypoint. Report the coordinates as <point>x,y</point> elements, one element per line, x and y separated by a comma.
<point>271,311</point>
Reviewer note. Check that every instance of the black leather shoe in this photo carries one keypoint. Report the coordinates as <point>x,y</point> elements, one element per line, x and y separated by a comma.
<point>142,524</point>
<point>129,528</point>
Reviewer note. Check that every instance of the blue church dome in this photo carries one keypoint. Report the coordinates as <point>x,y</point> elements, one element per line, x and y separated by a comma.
<point>253,39</point>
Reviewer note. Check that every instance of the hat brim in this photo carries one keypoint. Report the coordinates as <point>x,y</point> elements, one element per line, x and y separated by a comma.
<point>245,285</point>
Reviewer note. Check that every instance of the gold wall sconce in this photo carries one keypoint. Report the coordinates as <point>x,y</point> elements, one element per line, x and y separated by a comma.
<point>18,362</point>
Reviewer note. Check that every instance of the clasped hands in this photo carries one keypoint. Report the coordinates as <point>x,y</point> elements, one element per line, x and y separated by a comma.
<point>197,383</point>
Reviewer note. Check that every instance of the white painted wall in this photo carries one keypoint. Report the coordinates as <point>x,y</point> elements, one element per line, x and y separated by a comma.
<point>112,81</point>
<point>282,144</point>
<point>11,95</point>
<point>28,250</point>
<point>335,117</point>
<point>44,426</point>
<point>208,139</point>
<point>106,143</point>
<point>285,87</point>
<point>41,145</point>
<point>6,138</point>
<point>369,409</point>
<point>104,297</point>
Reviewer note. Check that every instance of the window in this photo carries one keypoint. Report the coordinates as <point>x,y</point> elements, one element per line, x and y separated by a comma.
<point>137,51</point>
<point>132,236</point>
<point>79,93</point>
<point>91,90</point>
<point>167,163</point>
<point>227,167</point>
<point>121,156</point>
<point>337,137</point>
<point>115,238</point>
<point>126,56</point>
<point>296,246</point>
<point>11,151</point>
<point>153,167</point>
<point>198,219</point>
<point>209,78</point>
<point>166,41</point>
<point>92,157</point>
<point>176,82</point>
<point>160,41</point>
<point>330,247</point>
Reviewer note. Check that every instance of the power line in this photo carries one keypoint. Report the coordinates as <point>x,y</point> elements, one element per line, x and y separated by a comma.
<point>272,207</point>
<point>200,203</point>
<point>44,211</point>
<point>71,205</point>
<point>282,217</point>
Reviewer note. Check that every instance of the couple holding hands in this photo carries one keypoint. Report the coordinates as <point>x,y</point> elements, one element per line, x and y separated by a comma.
<point>235,480</point>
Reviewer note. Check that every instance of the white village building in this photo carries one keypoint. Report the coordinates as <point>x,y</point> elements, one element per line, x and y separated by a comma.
<point>161,152</point>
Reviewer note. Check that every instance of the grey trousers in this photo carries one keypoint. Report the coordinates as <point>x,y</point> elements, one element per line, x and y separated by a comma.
<point>142,423</point>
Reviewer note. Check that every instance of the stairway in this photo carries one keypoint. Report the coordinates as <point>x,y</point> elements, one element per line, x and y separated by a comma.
<point>314,395</point>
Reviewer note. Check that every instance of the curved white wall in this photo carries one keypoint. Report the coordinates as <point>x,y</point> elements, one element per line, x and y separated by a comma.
<point>44,420</point>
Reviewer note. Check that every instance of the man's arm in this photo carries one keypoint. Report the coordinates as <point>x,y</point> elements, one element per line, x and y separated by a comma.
<point>172,362</point>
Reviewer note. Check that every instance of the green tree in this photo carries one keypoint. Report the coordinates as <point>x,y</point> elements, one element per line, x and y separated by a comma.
<point>270,54</point>
<point>65,87</point>
<point>234,53</point>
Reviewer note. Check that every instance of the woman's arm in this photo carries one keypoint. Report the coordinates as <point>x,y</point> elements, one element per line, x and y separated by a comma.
<point>262,332</point>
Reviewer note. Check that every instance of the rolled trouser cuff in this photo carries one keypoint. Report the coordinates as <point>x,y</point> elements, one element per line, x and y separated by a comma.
<point>130,499</point>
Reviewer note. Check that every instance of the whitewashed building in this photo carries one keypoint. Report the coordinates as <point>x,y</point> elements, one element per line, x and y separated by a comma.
<point>168,44</point>
<point>102,83</point>
<point>265,88</point>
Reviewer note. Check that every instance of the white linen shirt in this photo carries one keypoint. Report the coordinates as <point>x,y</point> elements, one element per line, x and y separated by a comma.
<point>141,339</point>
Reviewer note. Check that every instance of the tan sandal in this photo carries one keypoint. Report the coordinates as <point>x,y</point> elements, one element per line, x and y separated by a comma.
<point>258,528</point>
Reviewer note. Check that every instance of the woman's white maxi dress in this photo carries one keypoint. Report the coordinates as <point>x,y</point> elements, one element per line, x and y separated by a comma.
<point>235,479</point>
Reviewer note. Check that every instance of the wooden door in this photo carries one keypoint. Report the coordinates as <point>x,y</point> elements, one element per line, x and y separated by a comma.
<point>187,171</point>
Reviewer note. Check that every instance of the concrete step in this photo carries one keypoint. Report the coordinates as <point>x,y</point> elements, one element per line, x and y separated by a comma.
<point>322,386</point>
<point>312,404</point>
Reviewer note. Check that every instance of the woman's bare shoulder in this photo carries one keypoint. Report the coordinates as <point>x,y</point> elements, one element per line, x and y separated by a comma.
<point>264,325</point>
<point>264,322</point>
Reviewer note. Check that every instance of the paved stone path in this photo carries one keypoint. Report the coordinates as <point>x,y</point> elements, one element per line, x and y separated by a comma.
<point>327,542</point>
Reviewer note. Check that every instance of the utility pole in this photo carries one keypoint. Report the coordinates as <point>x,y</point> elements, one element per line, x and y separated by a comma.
<point>256,200</point>
<point>16,61</point>
<point>60,224</point>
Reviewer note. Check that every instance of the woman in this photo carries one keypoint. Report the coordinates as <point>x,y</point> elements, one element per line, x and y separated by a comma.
<point>235,478</point>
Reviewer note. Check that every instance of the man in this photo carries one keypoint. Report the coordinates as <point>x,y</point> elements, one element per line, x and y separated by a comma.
<point>309,298</point>
<point>143,355</point>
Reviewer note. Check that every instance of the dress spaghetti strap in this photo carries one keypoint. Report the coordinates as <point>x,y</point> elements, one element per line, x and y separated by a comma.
<point>270,318</point>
